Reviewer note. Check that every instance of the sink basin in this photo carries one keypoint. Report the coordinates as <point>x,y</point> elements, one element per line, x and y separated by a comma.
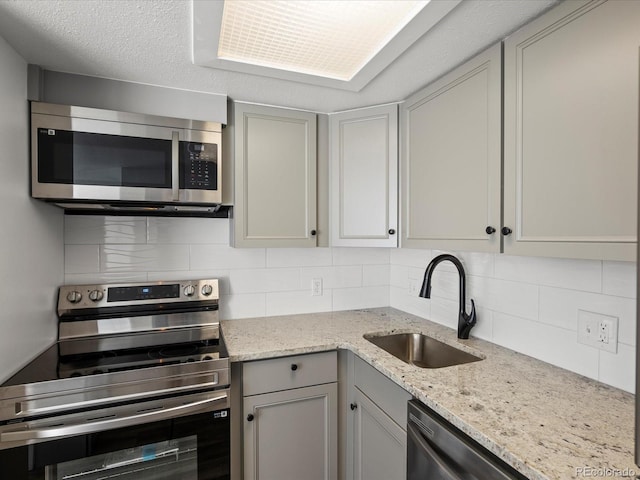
<point>421,350</point>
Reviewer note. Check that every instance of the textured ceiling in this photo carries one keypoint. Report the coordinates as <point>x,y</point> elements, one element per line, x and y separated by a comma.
<point>150,42</point>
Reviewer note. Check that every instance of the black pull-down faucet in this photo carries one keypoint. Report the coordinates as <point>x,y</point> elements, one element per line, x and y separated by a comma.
<point>465,321</point>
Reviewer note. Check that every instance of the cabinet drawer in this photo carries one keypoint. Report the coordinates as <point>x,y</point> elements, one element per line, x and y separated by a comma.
<point>389,396</point>
<point>285,373</point>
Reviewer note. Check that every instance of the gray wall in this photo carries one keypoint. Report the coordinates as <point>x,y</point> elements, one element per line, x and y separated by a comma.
<point>31,242</point>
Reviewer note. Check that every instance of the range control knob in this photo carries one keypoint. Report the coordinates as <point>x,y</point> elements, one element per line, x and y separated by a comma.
<point>189,290</point>
<point>207,289</point>
<point>96,295</point>
<point>74,296</point>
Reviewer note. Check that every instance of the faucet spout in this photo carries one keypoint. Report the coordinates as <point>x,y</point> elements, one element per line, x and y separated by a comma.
<point>465,321</point>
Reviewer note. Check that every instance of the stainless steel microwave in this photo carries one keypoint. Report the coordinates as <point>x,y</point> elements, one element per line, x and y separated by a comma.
<point>86,157</point>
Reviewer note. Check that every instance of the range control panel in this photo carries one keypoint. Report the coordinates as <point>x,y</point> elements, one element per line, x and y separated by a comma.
<point>76,297</point>
<point>198,166</point>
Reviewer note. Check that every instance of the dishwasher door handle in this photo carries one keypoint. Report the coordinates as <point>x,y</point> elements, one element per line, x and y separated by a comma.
<point>111,423</point>
<point>445,469</point>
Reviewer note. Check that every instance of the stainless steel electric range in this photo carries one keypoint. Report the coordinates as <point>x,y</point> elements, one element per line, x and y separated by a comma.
<point>137,386</point>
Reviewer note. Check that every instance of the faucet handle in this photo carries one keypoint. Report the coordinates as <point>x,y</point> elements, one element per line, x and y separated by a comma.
<point>471,318</point>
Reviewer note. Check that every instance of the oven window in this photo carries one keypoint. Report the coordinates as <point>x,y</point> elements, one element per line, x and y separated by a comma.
<point>193,447</point>
<point>167,460</point>
<point>81,158</point>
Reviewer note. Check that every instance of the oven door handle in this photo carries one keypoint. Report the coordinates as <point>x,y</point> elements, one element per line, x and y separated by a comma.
<point>97,426</point>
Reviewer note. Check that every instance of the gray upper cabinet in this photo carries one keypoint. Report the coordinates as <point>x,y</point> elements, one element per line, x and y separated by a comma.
<point>364,177</point>
<point>571,132</point>
<point>275,177</point>
<point>451,159</point>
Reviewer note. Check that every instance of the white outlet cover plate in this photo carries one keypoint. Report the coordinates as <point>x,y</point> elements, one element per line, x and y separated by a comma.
<point>589,330</point>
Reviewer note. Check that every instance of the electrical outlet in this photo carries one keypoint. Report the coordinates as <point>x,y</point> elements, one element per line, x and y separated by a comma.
<point>316,287</point>
<point>598,330</point>
<point>413,287</point>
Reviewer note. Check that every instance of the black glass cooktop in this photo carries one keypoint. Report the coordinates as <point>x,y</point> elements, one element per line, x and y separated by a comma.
<point>52,365</point>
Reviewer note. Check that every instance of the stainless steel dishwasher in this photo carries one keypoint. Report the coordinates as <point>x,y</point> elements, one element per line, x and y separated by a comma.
<point>436,450</point>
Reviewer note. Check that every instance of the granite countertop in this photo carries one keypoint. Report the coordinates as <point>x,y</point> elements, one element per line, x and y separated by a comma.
<point>546,422</point>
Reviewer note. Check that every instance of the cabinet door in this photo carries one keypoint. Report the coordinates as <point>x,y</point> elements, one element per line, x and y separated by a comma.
<point>275,177</point>
<point>292,434</point>
<point>364,177</point>
<point>451,156</point>
<point>380,444</point>
<point>571,132</point>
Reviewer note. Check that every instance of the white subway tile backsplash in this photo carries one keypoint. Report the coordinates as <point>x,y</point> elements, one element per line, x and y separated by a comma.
<point>410,257</point>
<point>99,229</point>
<point>339,276</point>
<point>143,258</point>
<point>619,278</point>
<point>399,298</point>
<point>585,275</point>
<point>81,258</point>
<point>524,303</point>
<point>545,342</point>
<point>287,303</point>
<point>398,276</point>
<point>619,369</point>
<point>484,324</point>
<point>444,312</point>
<point>298,257</point>
<point>101,277</point>
<point>375,275</point>
<point>265,280</point>
<point>242,306</point>
<point>363,297</point>
<point>360,256</point>
<point>188,230</point>
<point>559,307</point>
<point>204,257</point>
<point>511,298</point>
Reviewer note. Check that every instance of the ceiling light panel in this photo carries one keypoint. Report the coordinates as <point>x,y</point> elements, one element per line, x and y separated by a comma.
<point>328,38</point>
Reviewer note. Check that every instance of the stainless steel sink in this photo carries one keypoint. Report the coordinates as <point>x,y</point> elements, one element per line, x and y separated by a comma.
<point>421,350</point>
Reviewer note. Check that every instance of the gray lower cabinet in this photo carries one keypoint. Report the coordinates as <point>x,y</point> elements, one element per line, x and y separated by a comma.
<point>375,421</point>
<point>290,420</point>
<point>379,444</point>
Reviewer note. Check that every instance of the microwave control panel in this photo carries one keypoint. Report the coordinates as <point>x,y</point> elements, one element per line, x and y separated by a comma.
<point>199,166</point>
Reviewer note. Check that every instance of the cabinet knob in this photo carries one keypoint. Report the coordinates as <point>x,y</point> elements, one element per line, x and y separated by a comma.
<point>353,406</point>
<point>506,231</point>
<point>313,233</point>
<point>250,417</point>
<point>294,367</point>
<point>392,231</point>
<point>490,230</point>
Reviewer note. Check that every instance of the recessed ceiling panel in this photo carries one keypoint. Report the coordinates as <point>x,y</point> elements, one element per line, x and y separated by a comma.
<point>328,38</point>
<point>336,43</point>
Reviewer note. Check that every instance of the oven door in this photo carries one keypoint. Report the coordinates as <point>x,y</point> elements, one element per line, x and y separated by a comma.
<point>184,438</point>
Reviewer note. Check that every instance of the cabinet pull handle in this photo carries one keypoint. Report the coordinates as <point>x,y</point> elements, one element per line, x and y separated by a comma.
<point>353,406</point>
<point>506,231</point>
<point>490,230</point>
<point>313,233</point>
<point>392,231</point>
<point>250,417</point>
<point>294,367</point>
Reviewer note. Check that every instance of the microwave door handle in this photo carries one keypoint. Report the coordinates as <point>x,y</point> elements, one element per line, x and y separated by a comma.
<point>425,449</point>
<point>92,427</point>
<point>175,165</point>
